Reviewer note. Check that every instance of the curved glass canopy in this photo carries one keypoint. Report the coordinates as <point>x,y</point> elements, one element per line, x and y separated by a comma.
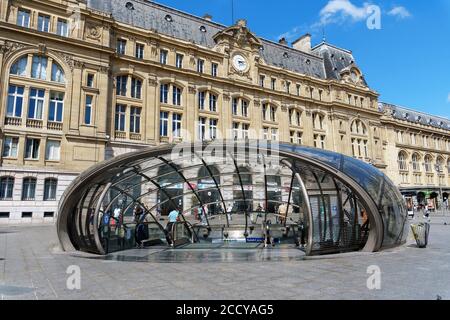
<point>232,194</point>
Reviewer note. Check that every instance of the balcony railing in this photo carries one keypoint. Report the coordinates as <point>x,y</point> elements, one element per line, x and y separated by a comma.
<point>13,121</point>
<point>135,136</point>
<point>121,135</point>
<point>34,123</point>
<point>56,126</point>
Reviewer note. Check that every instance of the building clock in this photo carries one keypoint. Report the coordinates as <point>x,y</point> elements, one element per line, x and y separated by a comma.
<point>240,63</point>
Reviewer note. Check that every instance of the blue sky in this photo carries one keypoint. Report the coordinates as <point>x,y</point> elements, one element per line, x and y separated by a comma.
<point>407,61</point>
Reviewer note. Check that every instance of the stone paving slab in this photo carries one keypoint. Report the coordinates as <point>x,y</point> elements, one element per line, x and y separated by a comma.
<point>32,267</point>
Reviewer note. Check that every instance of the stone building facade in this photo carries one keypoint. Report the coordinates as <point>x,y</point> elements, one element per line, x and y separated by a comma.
<point>83,81</point>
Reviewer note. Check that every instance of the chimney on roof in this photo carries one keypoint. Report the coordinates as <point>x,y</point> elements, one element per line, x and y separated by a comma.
<point>207,17</point>
<point>283,41</point>
<point>303,43</point>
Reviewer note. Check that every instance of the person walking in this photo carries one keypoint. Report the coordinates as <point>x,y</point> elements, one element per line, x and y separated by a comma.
<point>173,218</point>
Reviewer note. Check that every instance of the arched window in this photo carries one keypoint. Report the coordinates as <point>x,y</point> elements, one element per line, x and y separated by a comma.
<point>29,189</point>
<point>295,117</point>
<point>358,127</point>
<point>176,95</point>
<point>416,162</point>
<point>269,112</point>
<point>318,121</point>
<point>40,65</point>
<point>19,68</point>
<point>239,107</point>
<point>428,164</point>
<point>6,188</point>
<point>136,88</point>
<point>50,186</point>
<point>402,164</point>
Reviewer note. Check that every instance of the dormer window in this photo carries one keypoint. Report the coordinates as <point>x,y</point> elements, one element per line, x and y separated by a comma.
<point>203,29</point>
<point>168,18</point>
<point>129,6</point>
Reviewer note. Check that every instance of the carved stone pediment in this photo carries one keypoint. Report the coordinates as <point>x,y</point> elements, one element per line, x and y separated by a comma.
<point>238,35</point>
<point>353,75</point>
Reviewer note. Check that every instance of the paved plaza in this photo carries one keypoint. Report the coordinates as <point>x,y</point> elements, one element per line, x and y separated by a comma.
<point>33,267</point>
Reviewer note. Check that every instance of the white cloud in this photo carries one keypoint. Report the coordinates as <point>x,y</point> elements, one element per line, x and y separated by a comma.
<point>400,12</point>
<point>341,10</point>
<point>292,34</point>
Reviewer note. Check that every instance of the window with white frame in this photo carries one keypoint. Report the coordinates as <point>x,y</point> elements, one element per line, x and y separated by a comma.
<point>56,107</point>
<point>23,18</point>
<point>121,85</point>
<point>90,80</point>
<point>176,96</point>
<point>402,164</point>
<point>62,28</point>
<point>234,106</point>
<point>139,51</point>
<point>164,124</point>
<point>32,148</point>
<point>53,150</point>
<point>121,46</point>
<point>416,162</point>
<point>88,110</point>
<point>262,80</point>
<point>15,101</point>
<point>214,69</point>
<point>6,188</point>
<point>163,55</point>
<point>176,125</point>
<point>212,102</point>
<point>179,61</point>
<point>273,113</point>
<point>319,141</point>
<point>10,147</point>
<point>201,100</point>
<point>136,88</point>
<point>202,128</point>
<point>43,23</point>
<point>36,104</point>
<point>200,65</point>
<point>119,119</point>
<point>244,108</point>
<point>28,189</point>
<point>50,187</point>
<point>135,119</point>
<point>164,93</point>
<point>213,129</point>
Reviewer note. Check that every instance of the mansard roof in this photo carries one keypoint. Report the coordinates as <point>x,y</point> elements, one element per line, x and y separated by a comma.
<point>402,113</point>
<point>152,16</point>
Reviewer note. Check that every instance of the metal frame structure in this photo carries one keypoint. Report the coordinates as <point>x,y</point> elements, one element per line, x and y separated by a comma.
<point>89,197</point>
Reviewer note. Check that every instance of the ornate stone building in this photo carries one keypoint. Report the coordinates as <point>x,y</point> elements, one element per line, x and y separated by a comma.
<point>82,81</point>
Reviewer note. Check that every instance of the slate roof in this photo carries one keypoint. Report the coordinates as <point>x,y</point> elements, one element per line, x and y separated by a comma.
<point>335,59</point>
<point>152,16</point>
<point>402,113</point>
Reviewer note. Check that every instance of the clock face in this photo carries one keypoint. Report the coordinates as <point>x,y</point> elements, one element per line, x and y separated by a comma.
<point>240,63</point>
